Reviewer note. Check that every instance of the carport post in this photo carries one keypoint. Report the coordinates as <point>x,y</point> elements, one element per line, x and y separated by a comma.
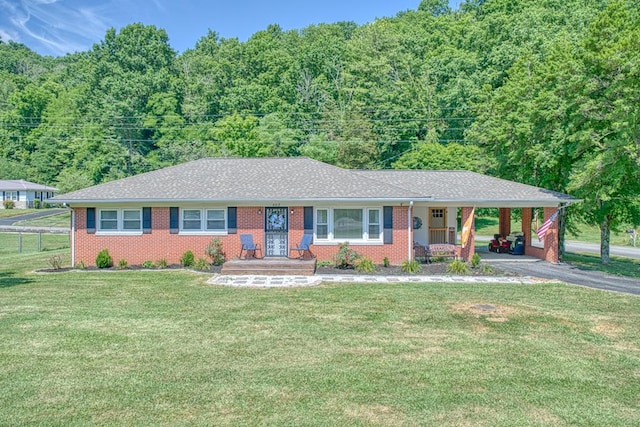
<point>504,227</point>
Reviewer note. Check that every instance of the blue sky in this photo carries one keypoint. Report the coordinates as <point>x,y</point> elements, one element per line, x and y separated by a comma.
<point>57,27</point>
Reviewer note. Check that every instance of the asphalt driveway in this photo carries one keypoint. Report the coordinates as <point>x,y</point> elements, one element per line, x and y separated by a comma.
<point>44,212</point>
<point>572,275</point>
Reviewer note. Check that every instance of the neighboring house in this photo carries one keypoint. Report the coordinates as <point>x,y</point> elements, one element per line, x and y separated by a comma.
<point>161,214</point>
<point>25,193</point>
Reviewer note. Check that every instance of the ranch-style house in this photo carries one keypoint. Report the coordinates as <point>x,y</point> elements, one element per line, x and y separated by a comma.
<point>381,213</point>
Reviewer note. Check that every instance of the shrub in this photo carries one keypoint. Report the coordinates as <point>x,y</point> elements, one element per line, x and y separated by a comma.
<point>385,262</point>
<point>214,252</point>
<point>346,257</point>
<point>162,263</point>
<point>147,264</point>
<point>201,264</point>
<point>122,264</point>
<point>487,269</point>
<point>37,204</point>
<point>475,260</point>
<point>458,267</point>
<point>80,265</point>
<point>55,261</point>
<point>9,204</point>
<point>325,263</point>
<point>104,260</point>
<point>411,267</point>
<point>187,259</point>
<point>365,265</point>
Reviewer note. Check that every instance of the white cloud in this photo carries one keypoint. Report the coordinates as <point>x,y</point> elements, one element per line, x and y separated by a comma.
<point>54,26</point>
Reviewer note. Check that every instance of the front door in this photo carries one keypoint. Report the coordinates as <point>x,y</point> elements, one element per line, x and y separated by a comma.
<point>276,232</point>
<point>437,225</point>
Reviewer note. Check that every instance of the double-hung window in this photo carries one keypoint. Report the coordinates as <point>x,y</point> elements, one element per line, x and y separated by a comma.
<point>11,195</point>
<point>204,220</point>
<point>348,224</point>
<point>192,219</point>
<point>109,220</point>
<point>131,219</point>
<point>123,220</point>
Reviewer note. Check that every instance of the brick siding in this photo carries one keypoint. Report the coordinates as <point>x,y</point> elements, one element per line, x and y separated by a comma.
<point>160,244</point>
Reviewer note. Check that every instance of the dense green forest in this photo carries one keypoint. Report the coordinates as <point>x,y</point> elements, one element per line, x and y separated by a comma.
<point>545,92</point>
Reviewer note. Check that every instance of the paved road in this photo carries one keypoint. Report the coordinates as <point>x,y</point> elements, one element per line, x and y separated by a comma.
<point>25,217</point>
<point>593,248</point>
<point>573,275</point>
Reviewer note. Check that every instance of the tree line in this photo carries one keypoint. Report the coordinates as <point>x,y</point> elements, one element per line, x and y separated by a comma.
<point>544,92</point>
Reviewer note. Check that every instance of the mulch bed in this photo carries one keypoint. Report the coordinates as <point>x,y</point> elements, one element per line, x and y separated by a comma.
<point>433,269</point>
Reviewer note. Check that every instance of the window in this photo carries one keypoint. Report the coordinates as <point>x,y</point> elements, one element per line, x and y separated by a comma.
<point>352,224</point>
<point>118,220</point>
<point>215,219</point>
<point>203,220</point>
<point>322,223</point>
<point>131,220</point>
<point>347,224</point>
<point>108,220</point>
<point>374,224</point>
<point>11,195</point>
<point>191,219</point>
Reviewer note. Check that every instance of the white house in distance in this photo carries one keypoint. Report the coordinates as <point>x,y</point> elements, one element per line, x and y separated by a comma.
<point>24,193</point>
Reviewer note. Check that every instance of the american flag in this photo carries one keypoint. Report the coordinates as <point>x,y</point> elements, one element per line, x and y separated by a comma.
<point>546,225</point>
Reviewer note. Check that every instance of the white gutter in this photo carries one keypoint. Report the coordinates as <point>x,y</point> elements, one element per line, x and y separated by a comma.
<point>409,229</point>
<point>73,238</point>
<point>239,201</point>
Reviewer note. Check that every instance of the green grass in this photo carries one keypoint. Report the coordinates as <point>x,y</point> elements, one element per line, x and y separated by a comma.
<point>618,265</point>
<point>164,348</point>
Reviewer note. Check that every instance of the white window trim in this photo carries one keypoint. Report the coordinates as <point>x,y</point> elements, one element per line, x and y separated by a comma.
<point>12,195</point>
<point>364,240</point>
<point>203,231</point>
<point>120,231</point>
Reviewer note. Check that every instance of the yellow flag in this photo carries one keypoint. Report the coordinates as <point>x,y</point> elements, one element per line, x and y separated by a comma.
<point>466,228</point>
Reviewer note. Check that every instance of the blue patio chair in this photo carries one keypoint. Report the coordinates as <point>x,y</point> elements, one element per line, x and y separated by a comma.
<point>247,246</point>
<point>303,247</point>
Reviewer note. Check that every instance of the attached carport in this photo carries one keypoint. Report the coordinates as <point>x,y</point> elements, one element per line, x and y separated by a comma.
<point>469,191</point>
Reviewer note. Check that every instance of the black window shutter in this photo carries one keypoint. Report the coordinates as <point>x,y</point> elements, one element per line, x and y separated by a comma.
<point>174,220</point>
<point>387,225</point>
<point>146,220</point>
<point>308,219</point>
<point>232,220</point>
<point>91,220</point>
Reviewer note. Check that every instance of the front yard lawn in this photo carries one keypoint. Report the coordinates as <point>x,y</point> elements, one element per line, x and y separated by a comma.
<point>165,348</point>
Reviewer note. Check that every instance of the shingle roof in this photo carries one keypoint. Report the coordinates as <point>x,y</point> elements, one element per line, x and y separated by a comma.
<point>302,179</point>
<point>20,184</point>
<point>243,179</point>
<point>444,186</point>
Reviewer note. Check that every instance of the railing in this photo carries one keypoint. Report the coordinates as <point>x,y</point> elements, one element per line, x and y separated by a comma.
<point>442,235</point>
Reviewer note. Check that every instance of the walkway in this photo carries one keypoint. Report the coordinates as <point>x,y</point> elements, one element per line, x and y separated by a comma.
<point>252,281</point>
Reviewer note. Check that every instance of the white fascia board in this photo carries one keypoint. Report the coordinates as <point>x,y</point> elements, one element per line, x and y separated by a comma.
<point>234,202</point>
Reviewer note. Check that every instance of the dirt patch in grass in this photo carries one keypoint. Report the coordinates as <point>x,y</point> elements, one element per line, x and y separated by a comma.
<point>490,312</point>
<point>608,329</point>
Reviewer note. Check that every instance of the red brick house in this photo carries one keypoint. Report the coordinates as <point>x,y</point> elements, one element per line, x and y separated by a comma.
<point>161,214</point>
